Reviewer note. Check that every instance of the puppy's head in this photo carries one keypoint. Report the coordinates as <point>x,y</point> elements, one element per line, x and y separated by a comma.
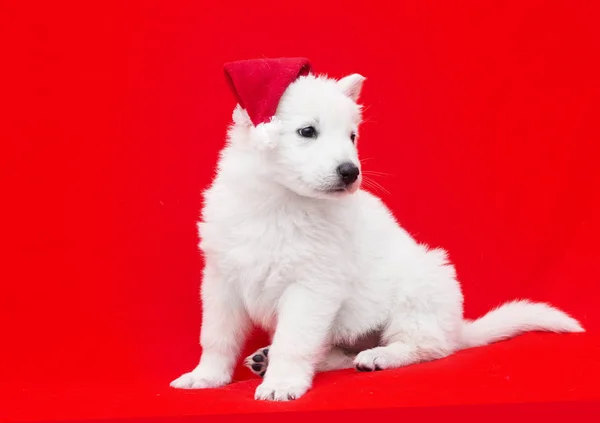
<point>310,145</point>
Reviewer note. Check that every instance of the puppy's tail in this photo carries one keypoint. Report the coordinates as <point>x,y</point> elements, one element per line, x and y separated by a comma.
<point>514,318</point>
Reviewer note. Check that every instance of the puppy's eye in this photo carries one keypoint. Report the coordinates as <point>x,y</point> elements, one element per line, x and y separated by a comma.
<point>308,132</point>
<point>353,137</point>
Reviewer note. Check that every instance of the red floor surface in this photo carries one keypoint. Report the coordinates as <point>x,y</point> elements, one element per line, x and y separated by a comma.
<point>534,369</point>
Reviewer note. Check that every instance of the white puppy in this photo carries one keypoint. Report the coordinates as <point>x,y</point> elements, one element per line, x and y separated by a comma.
<point>293,245</point>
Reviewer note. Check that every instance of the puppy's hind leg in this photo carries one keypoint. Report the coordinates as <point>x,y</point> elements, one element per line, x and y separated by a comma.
<point>407,340</point>
<point>337,359</point>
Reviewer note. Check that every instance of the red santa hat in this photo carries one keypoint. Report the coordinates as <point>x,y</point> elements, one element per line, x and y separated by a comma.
<point>258,84</point>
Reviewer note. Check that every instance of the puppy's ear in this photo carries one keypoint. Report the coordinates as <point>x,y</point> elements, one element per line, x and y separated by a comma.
<point>351,85</point>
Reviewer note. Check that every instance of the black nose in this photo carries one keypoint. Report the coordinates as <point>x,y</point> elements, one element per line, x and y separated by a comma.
<point>348,172</point>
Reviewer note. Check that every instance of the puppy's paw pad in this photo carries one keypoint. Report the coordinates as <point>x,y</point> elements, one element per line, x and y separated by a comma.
<point>194,381</point>
<point>258,361</point>
<point>285,390</point>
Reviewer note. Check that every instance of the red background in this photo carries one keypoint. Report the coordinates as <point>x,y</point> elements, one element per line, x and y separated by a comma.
<point>483,113</point>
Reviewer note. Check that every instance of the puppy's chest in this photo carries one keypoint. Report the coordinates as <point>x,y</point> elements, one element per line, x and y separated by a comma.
<point>261,254</point>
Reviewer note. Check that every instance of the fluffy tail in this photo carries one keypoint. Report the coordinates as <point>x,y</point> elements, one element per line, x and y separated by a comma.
<point>514,318</point>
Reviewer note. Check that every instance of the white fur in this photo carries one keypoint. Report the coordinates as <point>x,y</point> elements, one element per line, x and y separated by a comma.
<point>324,272</point>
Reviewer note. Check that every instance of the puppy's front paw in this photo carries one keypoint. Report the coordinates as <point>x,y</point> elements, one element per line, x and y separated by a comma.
<point>281,390</point>
<point>194,380</point>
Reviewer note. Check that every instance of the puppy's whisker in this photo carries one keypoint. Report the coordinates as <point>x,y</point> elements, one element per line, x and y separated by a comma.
<point>367,121</point>
<point>373,173</point>
<point>375,185</point>
<point>367,184</point>
<point>382,187</point>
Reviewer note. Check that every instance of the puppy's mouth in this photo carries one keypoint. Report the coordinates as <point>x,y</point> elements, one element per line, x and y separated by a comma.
<point>342,189</point>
